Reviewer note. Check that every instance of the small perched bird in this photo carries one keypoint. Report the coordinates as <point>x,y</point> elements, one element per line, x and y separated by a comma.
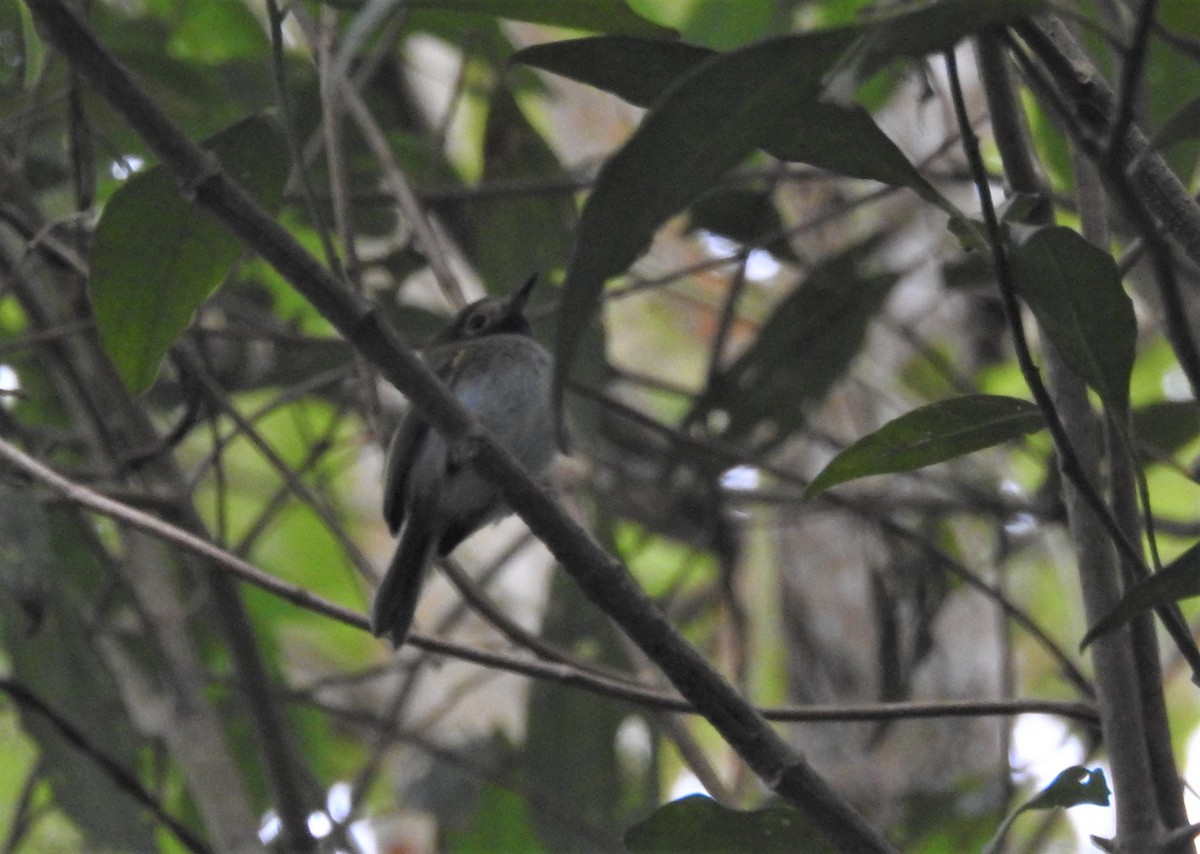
<point>490,361</point>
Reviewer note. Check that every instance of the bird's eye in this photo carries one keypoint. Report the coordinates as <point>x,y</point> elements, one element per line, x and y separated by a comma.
<point>476,322</point>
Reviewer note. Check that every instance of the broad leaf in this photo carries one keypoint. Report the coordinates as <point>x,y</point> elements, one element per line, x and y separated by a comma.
<point>634,69</point>
<point>1074,289</point>
<point>932,434</point>
<point>602,16</point>
<point>842,139</point>
<point>701,825</point>
<point>157,256</point>
<point>1179,580</point>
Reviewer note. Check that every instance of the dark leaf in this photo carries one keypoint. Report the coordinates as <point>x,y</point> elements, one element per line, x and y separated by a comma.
<point>1072,787</point>
<point>1179,580</point>
<point>602,16</point>
<point>763,96</point>
<point>841,139</point>
<point>932,434</point>
<point>913,33</point>
<point>1166,426</point>
<point>743,215</point>
<point>634,69</point>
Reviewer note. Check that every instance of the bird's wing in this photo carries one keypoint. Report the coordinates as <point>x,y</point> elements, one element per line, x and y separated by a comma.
<point>400,457</point>
<point>409,437</point>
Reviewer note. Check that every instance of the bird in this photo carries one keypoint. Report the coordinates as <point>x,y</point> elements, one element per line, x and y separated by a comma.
<point>488,358</point>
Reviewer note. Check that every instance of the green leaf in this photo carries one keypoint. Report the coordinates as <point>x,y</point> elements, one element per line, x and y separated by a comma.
<point>1074,289</point>
<point>842,139</point>
<point>932,434</point>
<point>601,16</point>
<point>700,825</point>
<point>769,95</point>
<point>156,256</point>
<point>1072,787</point>
<point>708,121</point>
<point>1179,580</point>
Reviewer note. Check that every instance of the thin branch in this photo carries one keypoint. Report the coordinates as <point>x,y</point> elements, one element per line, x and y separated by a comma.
<point>275,17</point>
<point>566,673</point>
<point>732,456</point>
<point>1132,65</point>
<point>1122,722</point>
<point>321,38</point>
<point>244,427</point>
<point>1144,186</point>
<point>243,570</point>
<point>1072,69</point>
<point>397,182</point>
<point>1070,463</point>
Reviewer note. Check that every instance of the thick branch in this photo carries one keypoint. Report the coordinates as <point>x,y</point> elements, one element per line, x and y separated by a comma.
<point>605,581</point>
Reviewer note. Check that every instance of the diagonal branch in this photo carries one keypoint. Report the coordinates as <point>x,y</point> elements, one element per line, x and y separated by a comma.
<point>603,578</point>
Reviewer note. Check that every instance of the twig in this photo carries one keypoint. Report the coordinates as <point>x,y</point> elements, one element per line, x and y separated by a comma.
<point>1133,63</point>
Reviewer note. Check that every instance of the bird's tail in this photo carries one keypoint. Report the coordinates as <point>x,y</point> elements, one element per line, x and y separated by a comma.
<point>396,599</point>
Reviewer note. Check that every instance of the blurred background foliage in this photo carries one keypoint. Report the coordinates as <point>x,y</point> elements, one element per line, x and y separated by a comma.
<point>782,313</point>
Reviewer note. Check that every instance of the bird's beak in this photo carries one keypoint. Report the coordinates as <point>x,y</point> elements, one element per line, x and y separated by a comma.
<point>516,302</point>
